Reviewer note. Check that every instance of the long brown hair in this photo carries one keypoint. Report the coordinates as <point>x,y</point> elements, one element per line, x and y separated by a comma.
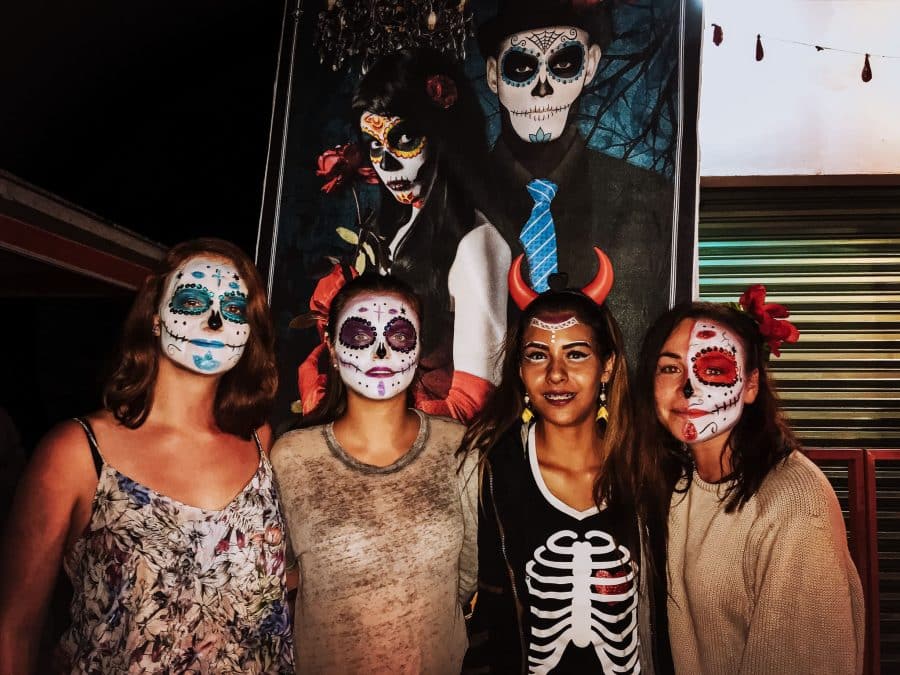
<point>334,403</point>
<point>503,410</point>
<point>245,393</point>
<point>758,442</point>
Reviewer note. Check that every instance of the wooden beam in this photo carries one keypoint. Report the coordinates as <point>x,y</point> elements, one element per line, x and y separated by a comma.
<point>40,244</point>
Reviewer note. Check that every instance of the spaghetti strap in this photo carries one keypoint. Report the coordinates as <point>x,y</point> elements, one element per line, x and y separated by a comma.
<point>259,447</point>
<point>92,441</point>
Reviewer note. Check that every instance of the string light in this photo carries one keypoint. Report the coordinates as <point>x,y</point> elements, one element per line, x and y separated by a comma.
<point>718,37</point>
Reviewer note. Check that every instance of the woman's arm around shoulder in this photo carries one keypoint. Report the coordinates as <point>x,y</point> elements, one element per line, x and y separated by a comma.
<point>51,508</point>
<point>809,614</point>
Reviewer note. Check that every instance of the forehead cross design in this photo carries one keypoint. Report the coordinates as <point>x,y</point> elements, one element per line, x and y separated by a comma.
<point>217,275</point>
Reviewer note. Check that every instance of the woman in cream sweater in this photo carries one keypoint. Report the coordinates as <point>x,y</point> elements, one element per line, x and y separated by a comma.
<point>760,579</point>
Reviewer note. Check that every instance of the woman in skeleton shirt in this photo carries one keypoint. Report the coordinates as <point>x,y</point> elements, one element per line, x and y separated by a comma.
<point>381,514</point>
<point>559,544</point>
<point>162,507</point>
<point>424,130</point>
<point>760,577</point>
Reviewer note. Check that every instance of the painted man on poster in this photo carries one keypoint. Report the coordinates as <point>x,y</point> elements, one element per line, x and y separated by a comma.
<point>540,56</point>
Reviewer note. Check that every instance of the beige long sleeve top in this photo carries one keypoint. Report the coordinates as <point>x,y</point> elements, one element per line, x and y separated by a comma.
<point>768,589</point>
<point>386,554</point>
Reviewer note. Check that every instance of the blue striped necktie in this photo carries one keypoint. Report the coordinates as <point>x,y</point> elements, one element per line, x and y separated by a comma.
<point>538,237</point>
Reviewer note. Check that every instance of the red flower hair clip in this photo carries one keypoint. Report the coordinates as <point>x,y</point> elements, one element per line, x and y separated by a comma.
<point>442,90</point>
<point>770,316</point>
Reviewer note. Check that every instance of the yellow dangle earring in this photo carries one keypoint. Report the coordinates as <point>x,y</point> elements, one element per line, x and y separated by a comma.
<point>603,411</point>
<point>527,415</point>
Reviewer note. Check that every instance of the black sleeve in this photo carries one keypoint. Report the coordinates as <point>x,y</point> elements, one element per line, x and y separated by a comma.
<point>493,629</point>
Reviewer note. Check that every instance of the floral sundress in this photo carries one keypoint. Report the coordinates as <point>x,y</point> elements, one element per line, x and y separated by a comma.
<point>164,587</point>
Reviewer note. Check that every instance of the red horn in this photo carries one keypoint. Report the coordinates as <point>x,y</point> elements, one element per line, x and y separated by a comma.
<point>598,289</point>
<point>522,294</point>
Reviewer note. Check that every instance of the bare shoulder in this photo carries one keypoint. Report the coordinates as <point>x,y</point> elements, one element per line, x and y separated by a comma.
<point>265,436</point>
<point>65,449</point>
<point>61,471</point>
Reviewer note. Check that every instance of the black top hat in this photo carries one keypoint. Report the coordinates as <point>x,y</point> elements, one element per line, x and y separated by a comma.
<point>515,16</point>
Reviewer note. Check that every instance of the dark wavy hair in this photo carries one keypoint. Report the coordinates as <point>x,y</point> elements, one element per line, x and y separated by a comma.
<point>245,393</point>
<point>758,442</point>
<point>458,147</point>
<point>334,403</point>
<point>503,410</point>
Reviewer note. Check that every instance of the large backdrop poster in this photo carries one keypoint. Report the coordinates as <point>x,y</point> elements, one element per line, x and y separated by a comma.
<point>439,140</point>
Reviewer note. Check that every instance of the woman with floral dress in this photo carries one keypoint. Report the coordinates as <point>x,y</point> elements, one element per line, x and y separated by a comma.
<point>161,507</point>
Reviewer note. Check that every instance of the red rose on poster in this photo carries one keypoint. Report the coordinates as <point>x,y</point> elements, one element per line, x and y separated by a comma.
<point>442,90</point>
<point>342,163</point>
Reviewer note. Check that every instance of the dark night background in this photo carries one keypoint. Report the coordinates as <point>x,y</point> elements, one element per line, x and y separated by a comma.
<point>153,115</point>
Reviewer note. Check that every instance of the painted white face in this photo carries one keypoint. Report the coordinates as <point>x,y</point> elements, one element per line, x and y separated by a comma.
<point>398,154</point>
<point>715,383</point>
<point>539,76</point>
<point>203,315</point>
<point>377,345</point>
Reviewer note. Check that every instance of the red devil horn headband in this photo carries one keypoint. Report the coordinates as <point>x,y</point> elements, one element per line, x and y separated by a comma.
<point>597,290</point>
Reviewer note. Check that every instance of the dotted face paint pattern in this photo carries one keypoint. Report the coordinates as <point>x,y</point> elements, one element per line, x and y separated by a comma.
<point>716,384</point>
<point>204,323</point>
<point>539,78</point>
<point>398,156</point>
<point>377,346</point>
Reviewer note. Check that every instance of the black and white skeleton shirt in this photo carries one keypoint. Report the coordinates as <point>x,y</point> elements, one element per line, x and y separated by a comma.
<point>582,597</point>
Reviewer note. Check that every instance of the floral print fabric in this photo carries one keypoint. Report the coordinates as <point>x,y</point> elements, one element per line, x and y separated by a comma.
<point>163,587</point>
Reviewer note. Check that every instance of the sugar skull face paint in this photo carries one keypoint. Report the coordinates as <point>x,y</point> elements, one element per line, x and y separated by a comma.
<point>377,345</point>
<point>700,381</point>
<point>203,315</point>
<point>398,154</point>
<point>539,76</point>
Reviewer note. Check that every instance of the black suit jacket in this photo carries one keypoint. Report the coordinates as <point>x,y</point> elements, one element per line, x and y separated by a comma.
<point>601,201</point>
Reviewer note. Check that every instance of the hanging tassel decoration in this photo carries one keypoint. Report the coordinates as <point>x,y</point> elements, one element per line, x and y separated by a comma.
<point>718,35</point>
<point>867,70</point>
<point>759,50</point>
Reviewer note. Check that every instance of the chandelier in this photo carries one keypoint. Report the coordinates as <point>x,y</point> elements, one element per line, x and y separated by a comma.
<point>364,30</point>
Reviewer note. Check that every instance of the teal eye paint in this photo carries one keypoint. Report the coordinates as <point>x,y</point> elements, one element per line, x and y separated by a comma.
<point>190,299</point>
<point>234,306</point>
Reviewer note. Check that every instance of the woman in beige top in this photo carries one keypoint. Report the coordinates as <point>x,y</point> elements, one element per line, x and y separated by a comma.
<point>380,513</point>
<point>760,577</point>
